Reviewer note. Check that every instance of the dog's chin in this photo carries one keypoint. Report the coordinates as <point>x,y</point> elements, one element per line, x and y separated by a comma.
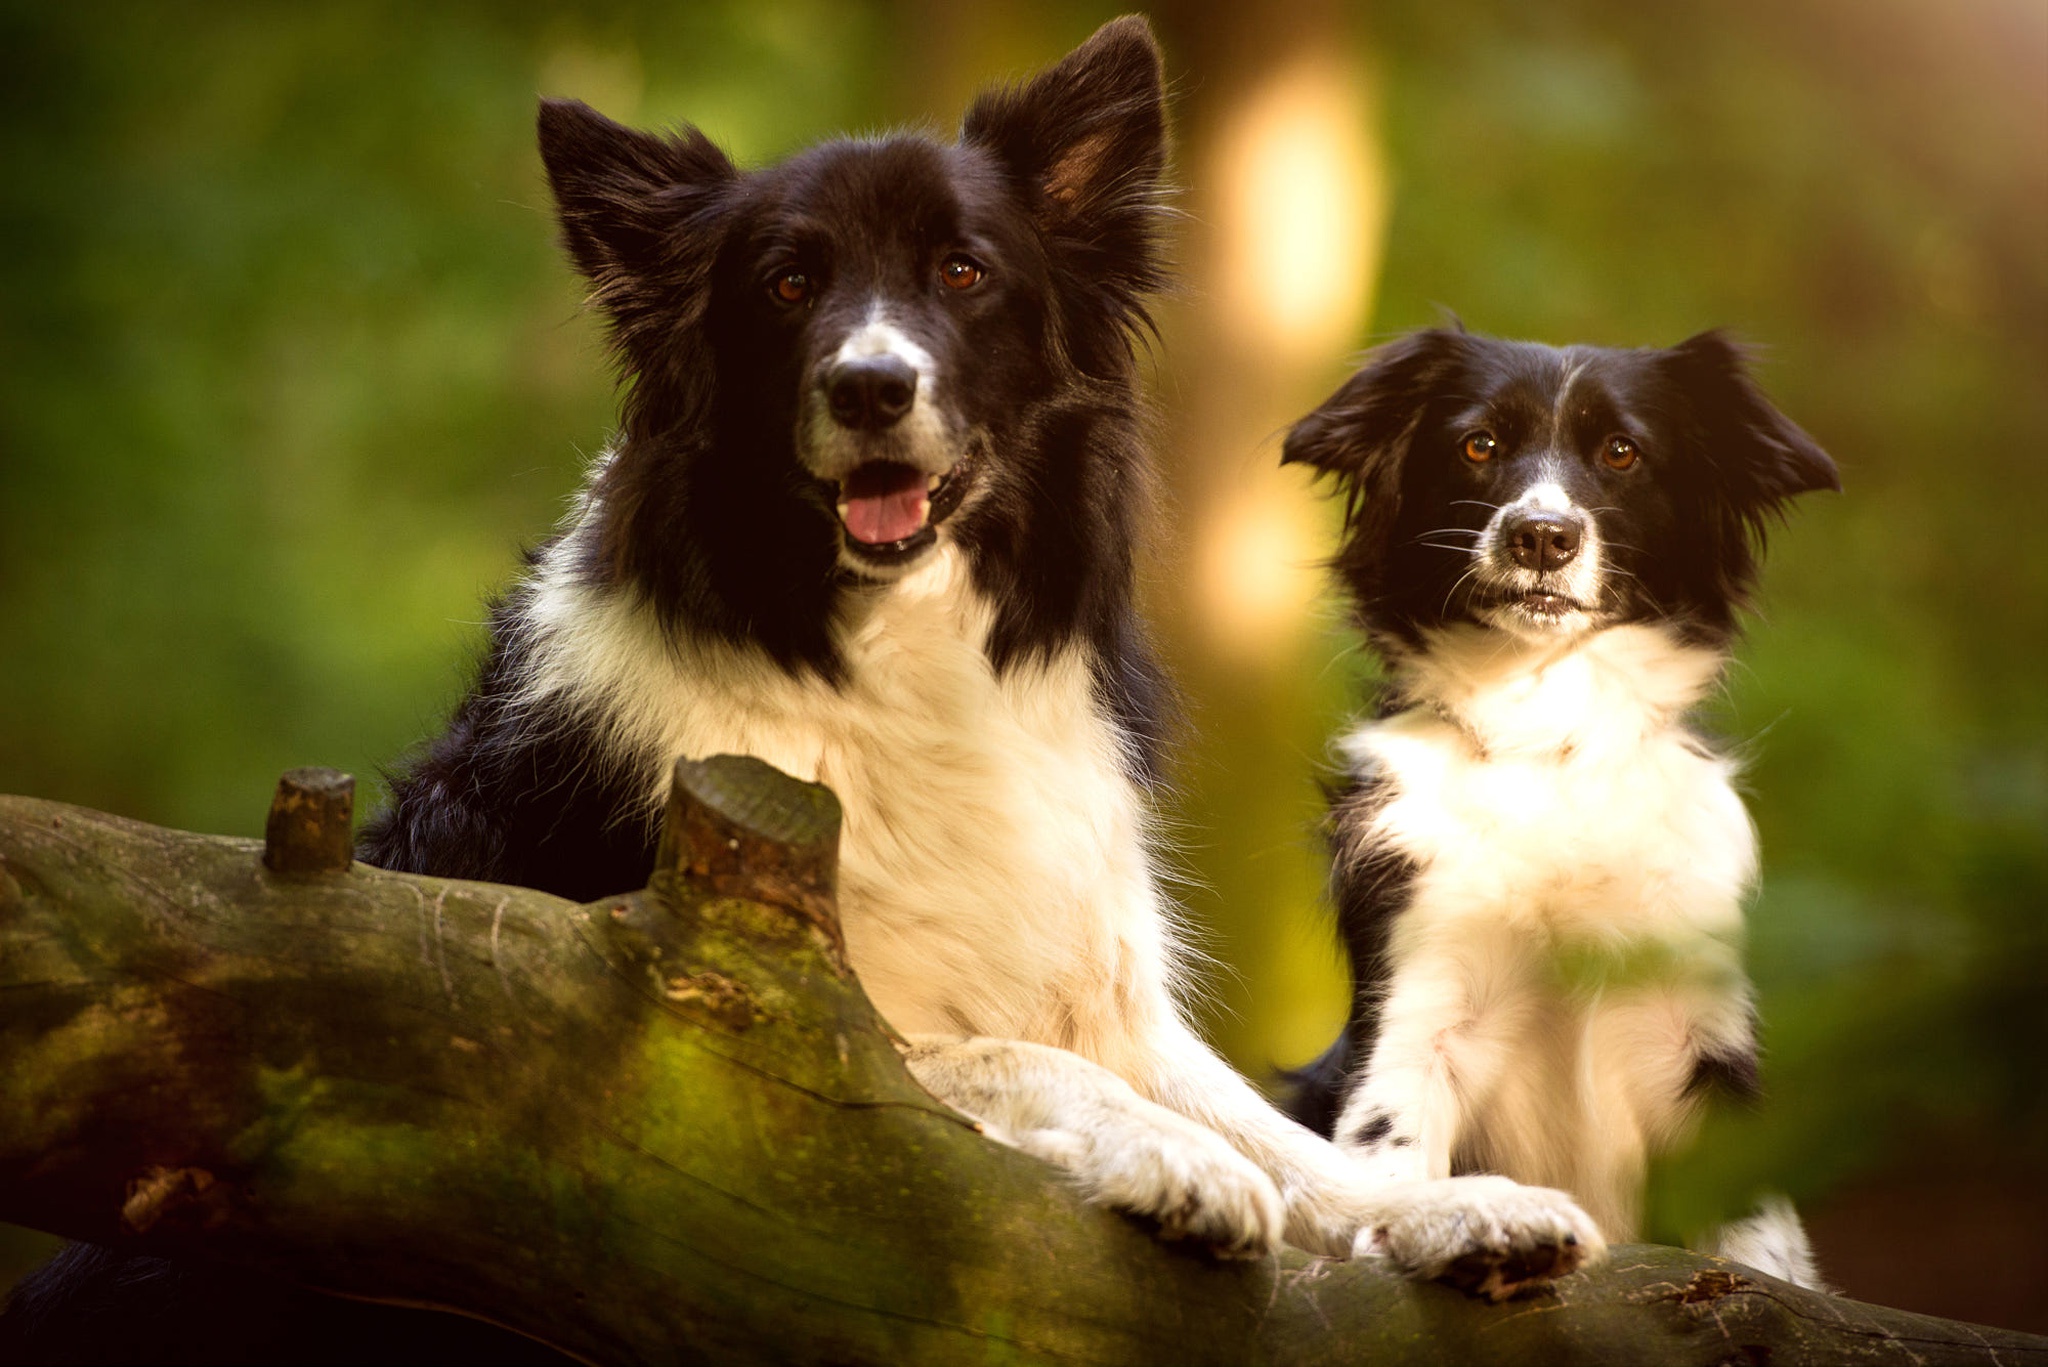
<point>887,560</point>
<point>1539,615</point>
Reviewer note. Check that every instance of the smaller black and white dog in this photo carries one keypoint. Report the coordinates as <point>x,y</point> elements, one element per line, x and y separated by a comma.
<point>1540,863</point>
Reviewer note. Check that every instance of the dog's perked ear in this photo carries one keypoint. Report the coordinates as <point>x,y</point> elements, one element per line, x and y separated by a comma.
<point>631,206</point>
<point>1085,143</point>
<point>1759,456</point>
<point>1361,432</point>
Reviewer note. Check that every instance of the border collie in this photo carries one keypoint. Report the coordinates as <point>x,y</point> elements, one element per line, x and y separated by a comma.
<point>1539,862</point>
<point>871,518</point>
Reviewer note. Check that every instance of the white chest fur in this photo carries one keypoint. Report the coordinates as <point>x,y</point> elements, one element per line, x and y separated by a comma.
<point>994,876</point>
<point>1570,943</point>
<point>1562,791</point>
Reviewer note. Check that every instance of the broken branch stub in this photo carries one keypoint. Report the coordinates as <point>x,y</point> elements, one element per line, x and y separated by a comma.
<point>738,827</point>
<point>311,825</point>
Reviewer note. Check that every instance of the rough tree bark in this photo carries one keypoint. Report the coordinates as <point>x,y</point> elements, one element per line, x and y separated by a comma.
<point>663,1126</point>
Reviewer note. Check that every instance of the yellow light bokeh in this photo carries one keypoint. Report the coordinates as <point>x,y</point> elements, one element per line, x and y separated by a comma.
<point>1302,210</point>
<point>1300,213</point>
<point>1259,572</point>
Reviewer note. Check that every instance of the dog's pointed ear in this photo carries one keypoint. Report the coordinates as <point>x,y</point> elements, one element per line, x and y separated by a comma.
<point>623,196</point>
<point>1762,457</point>
<point>1085,141</point>
<point>1362,426</point>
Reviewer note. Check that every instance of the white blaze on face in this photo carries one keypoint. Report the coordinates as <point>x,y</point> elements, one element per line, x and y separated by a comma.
<point>1578,580</point>
<point>885,475</point>
<point>920,438</point>
<point>880,337</point>
<point>1546,496</point>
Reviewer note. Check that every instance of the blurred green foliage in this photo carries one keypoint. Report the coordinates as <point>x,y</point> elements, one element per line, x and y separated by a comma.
<point>290,370</point>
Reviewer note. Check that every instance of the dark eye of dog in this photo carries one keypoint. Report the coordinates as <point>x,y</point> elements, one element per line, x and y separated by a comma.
<point>1480,447</point>
<point>960,273</point>
<point>1619,453</point>
<point>791,287</point>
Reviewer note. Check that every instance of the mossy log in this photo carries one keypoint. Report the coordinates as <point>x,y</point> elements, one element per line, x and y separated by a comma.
<point>665,1126</point>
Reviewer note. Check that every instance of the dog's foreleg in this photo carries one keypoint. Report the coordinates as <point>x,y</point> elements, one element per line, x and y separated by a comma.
<point>1444,1038</point>
<point>1126,1152</point>
<point>1487,1233</point>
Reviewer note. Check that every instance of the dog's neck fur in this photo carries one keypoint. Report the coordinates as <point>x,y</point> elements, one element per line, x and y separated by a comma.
<point>962,788</point>
<point>1601,693</point>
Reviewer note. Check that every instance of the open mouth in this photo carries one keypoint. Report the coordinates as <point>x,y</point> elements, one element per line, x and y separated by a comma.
<point>890,510</point>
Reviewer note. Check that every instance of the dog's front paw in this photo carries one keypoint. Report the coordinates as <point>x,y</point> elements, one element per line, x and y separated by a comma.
<point>1487,1236</point>
<point>1179,1176</point>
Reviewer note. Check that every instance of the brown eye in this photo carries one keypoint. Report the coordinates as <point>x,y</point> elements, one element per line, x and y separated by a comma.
<point>1619,453</point>
<point>1480,447</point>
<point>791,287</point>
<point>960,273</point>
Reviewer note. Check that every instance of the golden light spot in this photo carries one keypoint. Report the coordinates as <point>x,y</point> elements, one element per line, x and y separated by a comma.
<point>1303,208</point>
<point>1258,574</point>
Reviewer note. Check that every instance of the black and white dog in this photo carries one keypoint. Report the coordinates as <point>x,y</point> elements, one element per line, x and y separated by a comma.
<point>871,518</point>
<point>1540,864</point>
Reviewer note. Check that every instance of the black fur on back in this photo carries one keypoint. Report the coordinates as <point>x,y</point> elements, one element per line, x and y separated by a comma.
<point>516,795</point>
<point>706,512</point>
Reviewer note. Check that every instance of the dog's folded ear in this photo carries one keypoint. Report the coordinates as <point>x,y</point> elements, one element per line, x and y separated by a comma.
<point>1373,412</point>
<point>1761,456</point>
<point>1360,435</point>
<point>1086,140</point>
<point>624,196</point>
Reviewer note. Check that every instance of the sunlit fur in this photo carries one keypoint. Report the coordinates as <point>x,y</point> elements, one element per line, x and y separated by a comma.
<point>1539,862</point>
<point>980,695</point>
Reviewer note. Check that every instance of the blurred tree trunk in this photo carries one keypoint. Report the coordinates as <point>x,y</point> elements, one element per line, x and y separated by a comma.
<point>666,1125</point>
<point>1277,252</point>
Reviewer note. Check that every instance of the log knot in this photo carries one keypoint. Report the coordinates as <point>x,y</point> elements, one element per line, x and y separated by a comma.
<point>1711,1284</point>
<point>310,829</point>
<point>738,827</point>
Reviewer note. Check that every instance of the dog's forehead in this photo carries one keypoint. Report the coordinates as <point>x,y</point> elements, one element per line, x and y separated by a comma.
<point>1557,382</point>
<point>874,193</point>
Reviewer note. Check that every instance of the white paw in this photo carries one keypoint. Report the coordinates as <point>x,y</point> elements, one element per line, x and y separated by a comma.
<point>1486,1235</point>
<point>1173,1172</point>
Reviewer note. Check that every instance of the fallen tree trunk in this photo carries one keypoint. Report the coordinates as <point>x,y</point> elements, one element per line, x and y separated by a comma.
<point>663,1126</point>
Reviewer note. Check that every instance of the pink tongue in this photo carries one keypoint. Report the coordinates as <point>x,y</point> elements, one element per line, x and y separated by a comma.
<point>879,518</point>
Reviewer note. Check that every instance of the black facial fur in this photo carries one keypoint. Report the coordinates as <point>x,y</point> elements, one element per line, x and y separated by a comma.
<point>1682,527</point>
<point>1054,189</point>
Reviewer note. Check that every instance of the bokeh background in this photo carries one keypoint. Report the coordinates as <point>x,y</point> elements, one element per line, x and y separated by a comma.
<point>290,370</point>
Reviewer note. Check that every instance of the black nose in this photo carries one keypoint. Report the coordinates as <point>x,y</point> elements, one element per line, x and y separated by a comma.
<point>871,393</point>
<point>1544,541</point>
